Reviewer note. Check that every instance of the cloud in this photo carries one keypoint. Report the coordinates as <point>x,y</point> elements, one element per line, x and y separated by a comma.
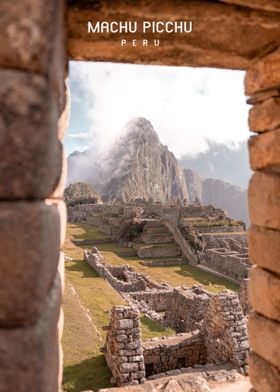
<point>186,105</point>
<point>80,135</point>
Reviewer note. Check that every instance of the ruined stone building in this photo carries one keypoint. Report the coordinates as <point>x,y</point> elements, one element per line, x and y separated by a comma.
<point>38,38</point>
<point>198,235</point>
<point>210,328</point>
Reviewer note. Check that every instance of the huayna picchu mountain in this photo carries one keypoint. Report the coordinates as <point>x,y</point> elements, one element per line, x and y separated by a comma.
<point>140,166</point>
<point>137,166</point>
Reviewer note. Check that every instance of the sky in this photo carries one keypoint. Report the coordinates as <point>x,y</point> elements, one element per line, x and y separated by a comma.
<point>187,106</point>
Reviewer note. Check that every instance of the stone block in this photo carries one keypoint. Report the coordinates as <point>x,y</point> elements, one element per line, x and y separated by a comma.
<point>264,338</point>
<point>263,95</point>
<point>133,345</point>
<point>265,116</point>
<point>260,240</point>
<point>30,356</point>
<point>264,293</point>
<point>264,376</point>
<point>264,200</point>
<point>263,74</point>
<point>125,324</point>
<point>129,367</point>
<point>31,153</point>
<point>58,65</point>
<point>124,377</point>
<point>28,32</point>
<point>272,5</point>
<point>264,151</point>
<point>30,252</point>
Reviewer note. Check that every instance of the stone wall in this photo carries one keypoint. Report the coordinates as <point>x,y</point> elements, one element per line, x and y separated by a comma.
<point>194,211</point>
<point>220,229</point>
<point>186,249</point>
<point>219,317</point>
<point>89,212</point>
<point>175,352</point>
<point>151,303</point>
<point>220,337</point>
<point>95,260</point>
<point>186,308</point>
<point>32,213</point>
<point>262,84</point>
<point>224,330</point>
<point>243,296</point>
<point>121,278</point>
<point>156,300</point>
<point>123,350</point>
<point>230,264</point>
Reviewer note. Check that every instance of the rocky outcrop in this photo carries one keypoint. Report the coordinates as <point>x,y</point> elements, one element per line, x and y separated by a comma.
<point>81,193</point>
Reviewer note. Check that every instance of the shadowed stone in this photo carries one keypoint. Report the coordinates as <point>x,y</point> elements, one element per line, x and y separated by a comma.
<point>30,252</point>
<point>31,154</point>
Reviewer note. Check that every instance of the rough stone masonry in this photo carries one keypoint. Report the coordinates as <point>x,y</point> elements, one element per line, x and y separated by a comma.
<point>123,349</point>
<point>221,337</point>
<point>32,73</point>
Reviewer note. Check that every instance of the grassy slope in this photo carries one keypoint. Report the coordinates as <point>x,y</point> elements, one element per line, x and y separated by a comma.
<point>87,301</point>
<point>180,275</point>
<point>175,275</point>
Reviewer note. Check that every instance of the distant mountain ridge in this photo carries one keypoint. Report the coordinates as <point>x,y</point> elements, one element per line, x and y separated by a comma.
<point>221,162</point>
<point>231,198</point>
<point>139,166</point>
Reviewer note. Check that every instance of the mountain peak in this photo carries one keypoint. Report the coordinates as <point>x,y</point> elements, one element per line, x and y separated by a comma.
<point>140,127</point>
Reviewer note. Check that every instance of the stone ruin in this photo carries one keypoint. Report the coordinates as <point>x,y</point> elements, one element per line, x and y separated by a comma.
<point>179,308</point>
<point>210,328</point>
<point>163,356</point>
<point>195,234</point>
<point>123,349</point>
<point>186,308</point>
<point>225,331</point>
<point>221,339</point>
<point>137,289</point>
<point>121,278</point>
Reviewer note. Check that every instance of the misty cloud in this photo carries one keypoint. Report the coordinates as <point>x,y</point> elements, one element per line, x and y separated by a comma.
<point>80,135</point>
<point>186,106</point>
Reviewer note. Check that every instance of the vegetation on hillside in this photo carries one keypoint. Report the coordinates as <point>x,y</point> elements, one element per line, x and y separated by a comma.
<point>88,299</point>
